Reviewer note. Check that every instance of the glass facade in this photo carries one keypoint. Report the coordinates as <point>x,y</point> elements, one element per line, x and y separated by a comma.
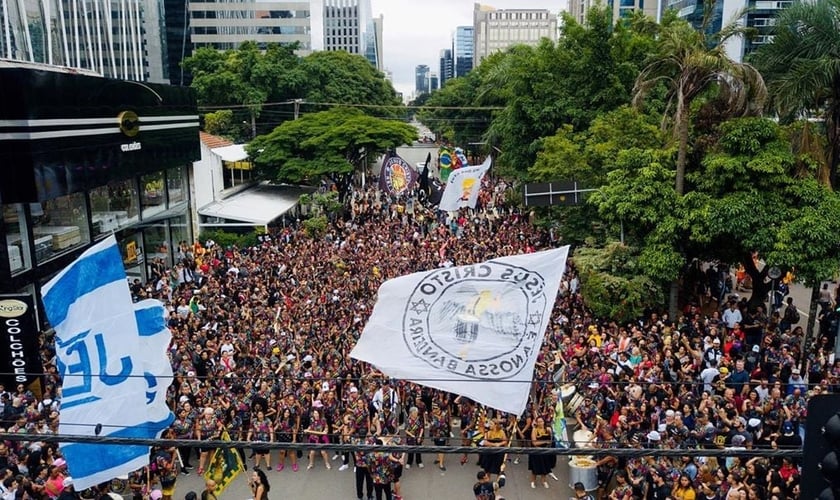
<point>114,206</point>
<point>148,214</point>
<point>464,45</point>
<point>153,195</point>
<point>59,225</point>
<point>17,238</point>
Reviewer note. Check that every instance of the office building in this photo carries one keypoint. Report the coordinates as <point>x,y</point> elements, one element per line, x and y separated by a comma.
<point>446,66</point>
<point>225,24</point>
<point>113,38</point>
<point>760,15</point>
<point>579,9</point>
<point>498,29</point>
<point>463,50</point>
<point>433,81</point>
<point>350,26</point>
<point>421,79</point>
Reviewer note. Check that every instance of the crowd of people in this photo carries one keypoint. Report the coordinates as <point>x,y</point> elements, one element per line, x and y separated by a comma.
<point>260,348</point>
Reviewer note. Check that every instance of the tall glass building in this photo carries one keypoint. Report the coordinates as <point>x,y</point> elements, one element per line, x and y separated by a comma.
<point>114,38</point>
<point>463,50</point>
<point>350,26</point>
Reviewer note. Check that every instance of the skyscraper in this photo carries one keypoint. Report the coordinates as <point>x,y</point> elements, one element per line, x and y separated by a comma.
<point>113,38</point>
<point>421,79</point>
<point>463,50</point>
<point>760,16</point>
<point>225,24</point>
<point>446,66</point>
<point>433,81</point>
<point>350,26</point>
<point>620,8</point>
<point>498,29</point>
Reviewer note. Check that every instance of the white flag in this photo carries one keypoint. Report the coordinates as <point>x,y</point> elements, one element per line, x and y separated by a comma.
<point>463,186</point>
<point>473,330</point>
<point>113,364</point>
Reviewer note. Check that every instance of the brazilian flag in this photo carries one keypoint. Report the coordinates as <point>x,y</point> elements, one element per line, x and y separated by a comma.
<point>445,163</point>
<point>225,465</point>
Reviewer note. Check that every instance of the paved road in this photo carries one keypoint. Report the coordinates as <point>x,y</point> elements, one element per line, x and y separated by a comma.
<point>430,482</point>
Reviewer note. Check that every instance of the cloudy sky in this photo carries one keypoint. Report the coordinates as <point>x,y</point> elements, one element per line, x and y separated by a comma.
<point>414,31</point>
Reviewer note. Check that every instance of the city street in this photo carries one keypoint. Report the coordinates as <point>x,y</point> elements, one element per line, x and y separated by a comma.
<point>430,482</point>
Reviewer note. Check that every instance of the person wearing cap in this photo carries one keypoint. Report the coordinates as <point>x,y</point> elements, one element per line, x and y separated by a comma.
<point>68,492</point>
<point>713,353</point>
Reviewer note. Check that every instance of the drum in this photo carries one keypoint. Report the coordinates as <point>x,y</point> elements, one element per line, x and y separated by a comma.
<point>572,406</point>
<point>582,438</point>
<point>583,470</point>
<point>567,392</point>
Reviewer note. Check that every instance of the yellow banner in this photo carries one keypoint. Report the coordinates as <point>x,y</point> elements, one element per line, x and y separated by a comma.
<point>224,466</point>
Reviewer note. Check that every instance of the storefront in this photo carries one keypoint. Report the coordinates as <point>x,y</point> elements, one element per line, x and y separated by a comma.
<point>84,157</point>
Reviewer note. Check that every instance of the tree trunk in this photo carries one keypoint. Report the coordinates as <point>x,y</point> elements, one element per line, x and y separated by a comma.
<point>812,319</point>
<point>760,289</point>
<point>682,151</point>
<point>832,127</point>
<point>679,187</point>
<point>673,300</point>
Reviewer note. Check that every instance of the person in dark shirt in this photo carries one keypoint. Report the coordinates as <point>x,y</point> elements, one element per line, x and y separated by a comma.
<point>659,489</point>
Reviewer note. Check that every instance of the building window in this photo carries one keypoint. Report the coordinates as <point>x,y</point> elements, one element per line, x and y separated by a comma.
<point>114,206</point>
<point>153,199</point>
<point>175,185</point>
<point>17,239</point>
<point>59,225</point>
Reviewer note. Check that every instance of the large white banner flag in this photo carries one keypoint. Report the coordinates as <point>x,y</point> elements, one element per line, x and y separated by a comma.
<point>473,330</point>
<point>463,186</point>
<point>113,364</point>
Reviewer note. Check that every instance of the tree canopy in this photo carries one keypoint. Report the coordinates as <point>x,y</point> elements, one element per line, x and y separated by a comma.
<point>333,143</point>
<point>247,78</point>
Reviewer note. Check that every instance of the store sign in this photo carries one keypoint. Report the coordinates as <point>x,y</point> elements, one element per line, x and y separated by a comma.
<point>20,361</point>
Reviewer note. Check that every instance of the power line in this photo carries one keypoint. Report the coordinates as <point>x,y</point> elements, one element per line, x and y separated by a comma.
<point>351,105</point>
<point>451,450</point>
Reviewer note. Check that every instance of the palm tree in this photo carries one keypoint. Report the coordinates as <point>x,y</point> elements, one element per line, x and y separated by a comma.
<point>689,68</point>
<point>802,66</point>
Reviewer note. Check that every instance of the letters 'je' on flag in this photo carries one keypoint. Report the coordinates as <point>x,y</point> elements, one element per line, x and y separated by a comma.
<point>463,186</point>
<point>474,330</point>
<point>113,364</point>
<point>396,177</point>
<point>225,465</point>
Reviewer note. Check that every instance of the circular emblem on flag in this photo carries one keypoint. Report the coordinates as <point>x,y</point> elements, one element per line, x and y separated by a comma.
<point>397,177</point>
<point>481,321</point>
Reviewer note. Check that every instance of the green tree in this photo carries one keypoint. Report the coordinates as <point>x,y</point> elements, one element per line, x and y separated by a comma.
<point>802,67</point>
<point>338,77</point>
<point>748,195</point>
<point>334,143</point>
<point>612,282</point>
<point>588,72</point>
<point>689,69</point>
<point>246,78</point>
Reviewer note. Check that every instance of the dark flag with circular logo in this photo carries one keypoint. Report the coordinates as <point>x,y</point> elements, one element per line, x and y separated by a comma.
<point>397,177</point>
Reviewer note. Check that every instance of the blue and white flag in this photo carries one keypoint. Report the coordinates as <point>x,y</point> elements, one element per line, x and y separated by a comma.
<point>463,186</point>
<point>474,330</point>
<point>113,364</point>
